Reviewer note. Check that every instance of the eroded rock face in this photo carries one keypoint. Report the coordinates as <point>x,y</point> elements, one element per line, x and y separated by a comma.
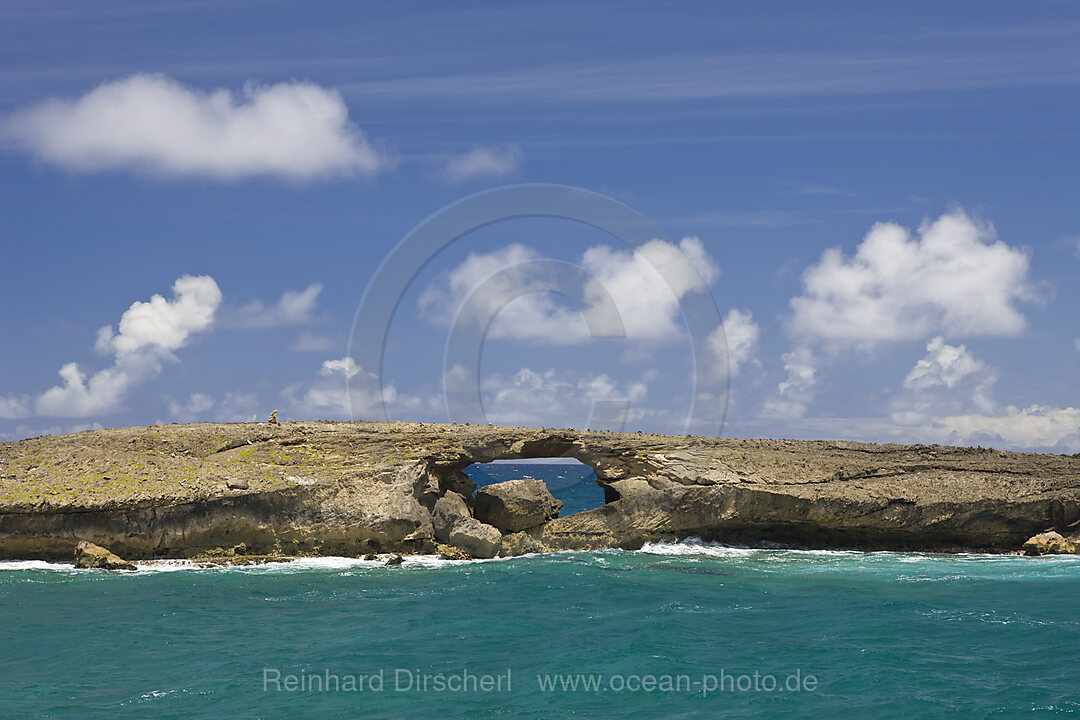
<point>359,488</point>
<point>1049,543</point>
<point>89,555</point>
<point>516,505</point>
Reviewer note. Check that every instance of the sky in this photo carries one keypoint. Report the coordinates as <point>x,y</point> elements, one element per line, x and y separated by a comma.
<point>860,220</point>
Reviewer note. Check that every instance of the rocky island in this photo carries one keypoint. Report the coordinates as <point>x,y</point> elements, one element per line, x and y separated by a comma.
<point>357,488</point>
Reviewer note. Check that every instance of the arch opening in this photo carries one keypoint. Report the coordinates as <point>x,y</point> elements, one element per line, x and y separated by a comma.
<point>567,479</point>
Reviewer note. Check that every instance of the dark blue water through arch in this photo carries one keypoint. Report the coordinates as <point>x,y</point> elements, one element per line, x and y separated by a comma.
<point>570,481</point>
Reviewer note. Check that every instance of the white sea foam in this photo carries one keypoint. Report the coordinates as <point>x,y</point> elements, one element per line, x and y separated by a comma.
<point>34,565</point>
<point>695,547</point>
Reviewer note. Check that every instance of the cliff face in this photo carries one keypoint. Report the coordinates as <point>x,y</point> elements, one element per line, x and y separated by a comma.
<point>352,488</point>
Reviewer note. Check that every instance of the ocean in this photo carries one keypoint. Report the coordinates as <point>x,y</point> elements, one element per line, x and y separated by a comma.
<point>675,630</point>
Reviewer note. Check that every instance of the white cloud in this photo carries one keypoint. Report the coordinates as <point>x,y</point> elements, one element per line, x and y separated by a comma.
<point>161,326</point>
<point>648,283</point>
<point>346,367</point>
<point>13,407</point>
<point>954,277</point>
<point>325,397</point>
<point>26,431</point>
<point>795,393</point>
<point>530,397</point>
<point>295,307</point>
<point>647,301</point>
<point>949,380</point>
<point>482,162</point>
<point>740,338</point>
<point>1036,426</point>
<point>943,365</point>
<point>506,274</point>
<point>148,334</point>
<point>294,130</point>
<point>232,407</point>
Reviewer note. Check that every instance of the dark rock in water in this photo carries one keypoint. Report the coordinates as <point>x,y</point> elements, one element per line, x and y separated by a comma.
<point>516,505</point>
<point>394,560</point>
<point>371,556</point>
<point>89,555</point>
<point>1049,543</point>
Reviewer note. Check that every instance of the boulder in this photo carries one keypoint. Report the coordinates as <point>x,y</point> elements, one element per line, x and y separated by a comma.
<point>448,510</point>
<point>516,505</point>
<point>455,526</point>
<point>476,538</point>
<point>1049,543</point>
<point>89,555</point>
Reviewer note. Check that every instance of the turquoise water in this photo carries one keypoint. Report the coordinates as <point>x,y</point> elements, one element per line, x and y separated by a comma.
<point>884,635</point>
<point>672,631</point>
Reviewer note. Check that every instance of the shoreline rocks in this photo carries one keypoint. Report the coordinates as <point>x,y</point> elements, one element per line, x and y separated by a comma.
<point>1049,543</point>
<point>376,488</point>
<point>89,555</point>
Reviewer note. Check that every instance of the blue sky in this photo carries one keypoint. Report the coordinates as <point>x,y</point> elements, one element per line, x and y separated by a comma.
<point>252,164</point>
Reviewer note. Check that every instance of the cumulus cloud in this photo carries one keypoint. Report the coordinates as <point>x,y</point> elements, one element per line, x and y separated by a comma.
<point>944,365</point>
<point>346,367</point>
<point>326,397</point>
<point>648,283</point>
<point>739,340</point>
<point>27,431</point>
<point>160,326</point>
<point>295,307</point>
<point>549,398</point>
<point>952,276</point>
<point>1033,427</point>
<point>796,392</point>
<point>645,285</point>
<point>948,380</point>
<point>146,337</point>
<point>232,407</point>
<point>152,123</point>
<point>14,407</point>
<point>506,274</point>
<point>482,162</point>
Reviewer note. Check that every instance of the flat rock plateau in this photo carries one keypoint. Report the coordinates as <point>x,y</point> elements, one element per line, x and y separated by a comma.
<point>353,488</point>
